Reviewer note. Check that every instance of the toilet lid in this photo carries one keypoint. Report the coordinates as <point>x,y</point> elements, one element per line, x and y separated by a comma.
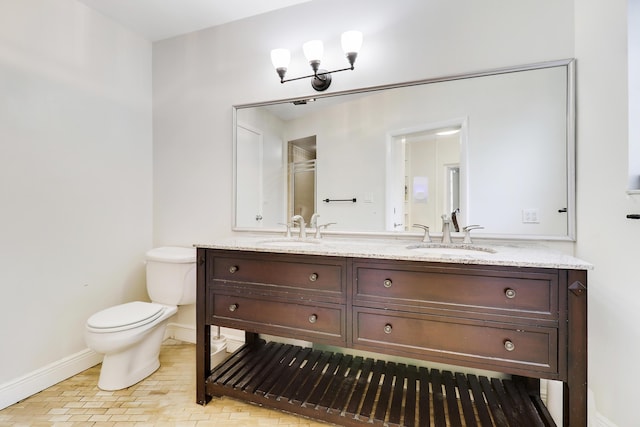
<point>126,316</point>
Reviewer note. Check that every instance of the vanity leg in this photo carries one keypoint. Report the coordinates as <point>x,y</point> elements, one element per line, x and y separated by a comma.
<point>203,333</point>
<point>575,389</point>
<point>250,337</point>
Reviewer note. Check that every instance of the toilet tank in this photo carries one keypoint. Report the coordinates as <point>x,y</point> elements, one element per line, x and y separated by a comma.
<point>171,275</point>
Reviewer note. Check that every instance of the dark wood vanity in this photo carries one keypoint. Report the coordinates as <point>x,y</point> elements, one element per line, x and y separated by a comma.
<point>527,322</point>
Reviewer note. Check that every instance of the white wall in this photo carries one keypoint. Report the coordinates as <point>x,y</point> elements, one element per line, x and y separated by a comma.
<point>198,77</point>
<point>75,179</point>
<point>605,237</point>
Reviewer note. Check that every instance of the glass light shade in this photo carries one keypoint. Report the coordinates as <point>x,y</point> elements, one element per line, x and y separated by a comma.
<point>313,50</point>
<point>280,58</point>
<point>351,41</point>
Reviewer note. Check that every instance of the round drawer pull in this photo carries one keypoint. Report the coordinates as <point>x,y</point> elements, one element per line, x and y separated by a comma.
<point>509,345</point>
<point>313,277</point>
<point>233,307</point>
<point>387,283</point>
<point>313,318</point>
<point>388,328</point>
<point>233,269</point>
<point>510,293</point>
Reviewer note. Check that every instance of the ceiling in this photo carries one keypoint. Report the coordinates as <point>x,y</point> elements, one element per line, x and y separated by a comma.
<point>161,19</point>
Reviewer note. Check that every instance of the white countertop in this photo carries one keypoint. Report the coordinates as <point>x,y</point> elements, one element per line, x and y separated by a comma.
<point>512,254</point>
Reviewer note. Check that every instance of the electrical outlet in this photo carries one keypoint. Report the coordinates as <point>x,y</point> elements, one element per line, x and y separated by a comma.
<point>530,216</point>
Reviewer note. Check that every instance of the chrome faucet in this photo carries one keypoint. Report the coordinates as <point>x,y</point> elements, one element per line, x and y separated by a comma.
<point>446,229</point>
<point>303,225</point>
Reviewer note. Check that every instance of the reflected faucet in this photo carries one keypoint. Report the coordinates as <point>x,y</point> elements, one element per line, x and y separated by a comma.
<point>454,218</point>
<point>303,225</point>
<point>314,220</point>
<point>446,229</point>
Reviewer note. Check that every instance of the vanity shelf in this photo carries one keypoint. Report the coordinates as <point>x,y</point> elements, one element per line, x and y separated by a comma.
<point>526,322</point>
<point>354,391</point>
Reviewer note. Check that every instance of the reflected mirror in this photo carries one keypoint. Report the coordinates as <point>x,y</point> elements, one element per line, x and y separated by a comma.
<point>497,147</point>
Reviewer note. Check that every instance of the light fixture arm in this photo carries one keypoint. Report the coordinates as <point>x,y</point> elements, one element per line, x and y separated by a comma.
<point>318,73</point>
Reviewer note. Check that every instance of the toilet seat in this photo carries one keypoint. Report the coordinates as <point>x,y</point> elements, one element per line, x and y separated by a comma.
<point>125,316</point>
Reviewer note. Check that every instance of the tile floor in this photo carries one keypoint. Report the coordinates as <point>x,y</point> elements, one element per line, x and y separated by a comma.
<point>166,398</point>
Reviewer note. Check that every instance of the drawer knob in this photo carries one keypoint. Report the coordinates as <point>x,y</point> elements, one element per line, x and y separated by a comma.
<point>233,307</point>
<point>313,318</point>
<point>388,328</point>
<point>509,345</point>
<point>510,293</point>
<point>233,269</point>
<point>387,283</point>
<point>313,277</point>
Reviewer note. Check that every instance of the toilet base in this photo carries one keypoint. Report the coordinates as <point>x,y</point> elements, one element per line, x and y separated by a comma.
<point>126,368</point>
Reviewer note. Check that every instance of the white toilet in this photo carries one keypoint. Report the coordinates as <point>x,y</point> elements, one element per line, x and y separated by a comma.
<point>130,335</point>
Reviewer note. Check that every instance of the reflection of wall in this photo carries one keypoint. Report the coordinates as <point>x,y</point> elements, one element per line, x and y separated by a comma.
<point>428,157</point>
<point>301,195</point>
<point>509,143</point>
<point>273,167</point>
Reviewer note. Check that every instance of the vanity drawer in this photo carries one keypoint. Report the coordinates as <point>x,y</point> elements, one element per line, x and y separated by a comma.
<point>530,294</point>
<point>319,322</point>
<point>490,346</point>
<point>281,273</point>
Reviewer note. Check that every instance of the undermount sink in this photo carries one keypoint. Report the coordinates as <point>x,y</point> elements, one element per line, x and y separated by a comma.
<point>289,243</point>
<point>450,248</point>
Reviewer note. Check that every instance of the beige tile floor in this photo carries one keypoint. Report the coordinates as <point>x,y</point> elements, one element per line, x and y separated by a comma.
<point>166,398</point>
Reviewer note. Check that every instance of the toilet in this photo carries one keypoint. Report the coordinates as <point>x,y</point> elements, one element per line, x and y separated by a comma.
<point>130,335</point>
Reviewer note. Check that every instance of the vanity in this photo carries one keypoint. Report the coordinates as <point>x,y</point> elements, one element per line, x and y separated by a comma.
<point>518,310</point>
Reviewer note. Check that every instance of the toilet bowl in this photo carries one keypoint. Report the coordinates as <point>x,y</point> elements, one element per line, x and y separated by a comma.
<point>130,335</point>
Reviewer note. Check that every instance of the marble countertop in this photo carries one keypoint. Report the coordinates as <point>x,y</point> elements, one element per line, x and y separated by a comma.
<point>524,254</point>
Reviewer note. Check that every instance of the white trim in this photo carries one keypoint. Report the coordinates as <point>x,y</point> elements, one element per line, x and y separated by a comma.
<point>181,332</point>
<point>16,390</point>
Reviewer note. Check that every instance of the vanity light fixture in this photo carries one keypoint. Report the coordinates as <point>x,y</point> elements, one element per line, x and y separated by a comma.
<point>313,50</point>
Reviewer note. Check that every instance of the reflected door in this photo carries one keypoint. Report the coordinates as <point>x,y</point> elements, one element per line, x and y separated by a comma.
<point>249,177</point>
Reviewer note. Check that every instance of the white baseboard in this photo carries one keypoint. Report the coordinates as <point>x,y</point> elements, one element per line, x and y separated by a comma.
<point>16,390</point>
<point>181,332</point>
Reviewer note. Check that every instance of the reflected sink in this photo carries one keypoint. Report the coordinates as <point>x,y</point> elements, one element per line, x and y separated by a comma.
<point>451,248</point>
<point>289,243</point>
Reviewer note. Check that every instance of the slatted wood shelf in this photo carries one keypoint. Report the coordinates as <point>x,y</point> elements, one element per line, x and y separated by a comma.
<point>353,391</point>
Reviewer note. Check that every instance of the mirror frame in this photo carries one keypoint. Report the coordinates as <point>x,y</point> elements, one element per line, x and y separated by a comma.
<point>569,64</point>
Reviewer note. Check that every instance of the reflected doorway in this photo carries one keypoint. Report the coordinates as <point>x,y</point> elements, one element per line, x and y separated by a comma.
<point>301,198</point>
<point>425,176</point>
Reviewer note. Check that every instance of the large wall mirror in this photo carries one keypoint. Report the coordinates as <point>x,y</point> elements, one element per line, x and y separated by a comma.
<point>496,146</point>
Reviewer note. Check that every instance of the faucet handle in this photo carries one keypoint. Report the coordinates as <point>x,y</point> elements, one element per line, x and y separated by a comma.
<point>288,225</point>
<point>426,238</point>
<point>320,227</point>
<point>467,232</point>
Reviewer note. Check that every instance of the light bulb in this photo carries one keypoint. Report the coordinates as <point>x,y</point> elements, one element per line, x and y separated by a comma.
<point>280,58</point>
<point>313,50</point>
<point>351,41</point>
